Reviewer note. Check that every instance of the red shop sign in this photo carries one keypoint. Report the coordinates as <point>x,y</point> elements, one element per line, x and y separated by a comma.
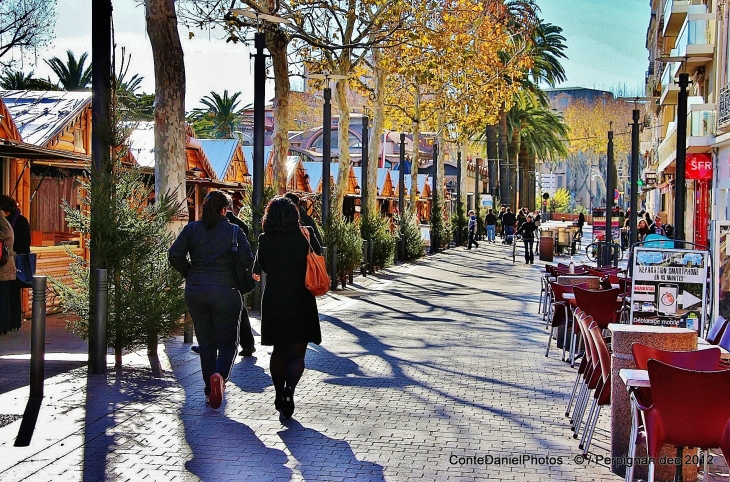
<point>698,167</point>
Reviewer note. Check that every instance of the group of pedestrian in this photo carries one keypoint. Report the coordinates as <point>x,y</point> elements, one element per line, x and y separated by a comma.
<point>646,226</point>
<point>15,236</point>
<point>289,316</point>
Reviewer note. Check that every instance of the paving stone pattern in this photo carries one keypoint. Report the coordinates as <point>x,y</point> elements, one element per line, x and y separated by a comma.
<point>420,367</point>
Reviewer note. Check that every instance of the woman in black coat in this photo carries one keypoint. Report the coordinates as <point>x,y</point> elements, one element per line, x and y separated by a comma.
<point>21,245</point>
<point>527,230</point>
<point>289,316</point>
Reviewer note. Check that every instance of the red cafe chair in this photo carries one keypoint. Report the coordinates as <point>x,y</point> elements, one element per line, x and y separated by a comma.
<point>591,376</point>
<point>690,409</point>
<point>698,360</point>
<point>602,393</point>
<point>602,305</point>
<point>560,313</point>
<point>717,330</point>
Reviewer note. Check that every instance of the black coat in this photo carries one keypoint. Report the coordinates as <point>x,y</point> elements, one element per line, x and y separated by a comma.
<point>527,229</point>
<point>288,310</point>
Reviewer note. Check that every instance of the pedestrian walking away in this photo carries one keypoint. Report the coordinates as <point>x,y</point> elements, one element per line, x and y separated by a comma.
<point>201,253</point>
<point>508,225</point>
<point>245,335</point>
<point>304,218</point>
<point>490,221</point>
<point>289,316</point>
<point>527,230</point>
<point>472,227</point>
<point>500,217</point>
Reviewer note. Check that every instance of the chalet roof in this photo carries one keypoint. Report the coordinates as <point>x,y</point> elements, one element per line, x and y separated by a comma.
<point>248,154</point>
<point>220,153</point>
<point>314,171</point>
<point>41,115</point>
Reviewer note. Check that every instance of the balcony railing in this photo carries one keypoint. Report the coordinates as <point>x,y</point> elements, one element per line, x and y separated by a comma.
<point>723,107</point>
<point>695,33</point>
<point>701,123</point>
<point>668,75</point>
<point>673,17</point>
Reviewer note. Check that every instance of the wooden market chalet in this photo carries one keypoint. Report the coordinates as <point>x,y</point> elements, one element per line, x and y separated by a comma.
<point>45,151</point>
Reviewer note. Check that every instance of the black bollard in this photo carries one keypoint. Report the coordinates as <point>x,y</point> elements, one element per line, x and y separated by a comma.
<point>98,366</point>
<point>38,337</point>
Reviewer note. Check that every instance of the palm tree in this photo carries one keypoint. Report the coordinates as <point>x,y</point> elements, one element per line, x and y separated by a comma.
<point>71,75</point>
<point>535,132</point>
<point>221,114</point>
<point>17,80</point>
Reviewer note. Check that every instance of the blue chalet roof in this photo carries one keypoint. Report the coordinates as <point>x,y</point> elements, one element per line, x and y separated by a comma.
<point>220,154</point>
<point>314,171</point>
<point>41,115</point>
<point>248,154</point>
<point>409,182</point>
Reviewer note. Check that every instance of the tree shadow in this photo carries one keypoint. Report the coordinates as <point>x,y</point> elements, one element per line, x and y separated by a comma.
<point>324,458</point>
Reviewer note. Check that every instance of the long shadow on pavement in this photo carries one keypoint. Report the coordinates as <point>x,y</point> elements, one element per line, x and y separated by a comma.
<point>307,446</point>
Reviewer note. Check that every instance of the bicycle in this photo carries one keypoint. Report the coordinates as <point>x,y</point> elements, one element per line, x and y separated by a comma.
<point>592,250</point>
<point>515,238</point>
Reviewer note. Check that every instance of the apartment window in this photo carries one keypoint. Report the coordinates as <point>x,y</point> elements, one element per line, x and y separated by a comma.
<point>560,182</point>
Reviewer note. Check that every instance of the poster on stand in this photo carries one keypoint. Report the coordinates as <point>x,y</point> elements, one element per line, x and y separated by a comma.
<point>599,224</point>
<point>669,287</point>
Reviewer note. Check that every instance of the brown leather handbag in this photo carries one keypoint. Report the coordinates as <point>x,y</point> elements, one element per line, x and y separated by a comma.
<point>316,280</point>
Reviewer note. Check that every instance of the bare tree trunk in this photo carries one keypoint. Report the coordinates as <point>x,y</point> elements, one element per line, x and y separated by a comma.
<point>280,139</point>
<point>343,141</point>
<point>414,152</point>
<point>504,178</point>
<point>376,134</point>
<point>170,160</point>
<point>491,135</point>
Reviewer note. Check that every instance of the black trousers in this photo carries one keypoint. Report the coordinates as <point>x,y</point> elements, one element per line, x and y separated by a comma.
<point>245,336</point>
<point>529,255</point>
<point>472,240</point>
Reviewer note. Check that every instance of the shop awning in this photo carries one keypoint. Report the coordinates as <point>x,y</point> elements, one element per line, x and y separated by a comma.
<point>214,183</point>
<point>21,150</point>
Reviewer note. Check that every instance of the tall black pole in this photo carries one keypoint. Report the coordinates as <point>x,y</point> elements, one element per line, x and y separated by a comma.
<point>680,190</point>
<point>609,200</point>
<point>459,207</point>
<point>402,194</point>
<point>326,154</point>
<point>101,44</point>
<point>476,186</point>
<point>434,197</point>
<point>634,203</point>
<point>259,87</point>
<point>365,193</point>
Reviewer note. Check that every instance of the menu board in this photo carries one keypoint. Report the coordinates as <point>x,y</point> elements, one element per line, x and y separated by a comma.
<point>669,287</point>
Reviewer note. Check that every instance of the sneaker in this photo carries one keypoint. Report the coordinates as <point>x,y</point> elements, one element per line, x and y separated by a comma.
<point>195,349</point>
<point>217,386</point>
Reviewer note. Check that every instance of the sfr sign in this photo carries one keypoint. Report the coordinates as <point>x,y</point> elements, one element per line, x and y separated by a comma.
<point>698,167</point>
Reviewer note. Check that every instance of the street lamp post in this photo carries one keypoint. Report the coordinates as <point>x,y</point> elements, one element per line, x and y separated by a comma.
<point>364,167</point>
<point>402,194</point>
<point>326,141</point>
<point>459,208</point>
<point>259,105</point>
<point>434,235</point>
<point>608,252</point>
<point>680,189</point>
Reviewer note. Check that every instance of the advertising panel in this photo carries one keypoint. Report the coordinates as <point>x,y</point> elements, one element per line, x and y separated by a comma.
<point>669,287</point>
<point>599,223</point>
<point>722,254</point>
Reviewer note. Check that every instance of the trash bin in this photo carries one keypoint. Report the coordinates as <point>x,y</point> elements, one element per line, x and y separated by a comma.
<point>546,248</point>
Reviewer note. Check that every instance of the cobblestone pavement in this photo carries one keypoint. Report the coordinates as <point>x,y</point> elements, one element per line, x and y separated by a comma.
<point>419,368</point>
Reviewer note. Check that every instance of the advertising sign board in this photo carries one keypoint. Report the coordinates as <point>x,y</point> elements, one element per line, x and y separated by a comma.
<point>722,270</point>
<point>669,287</point>
<point>599,223</point>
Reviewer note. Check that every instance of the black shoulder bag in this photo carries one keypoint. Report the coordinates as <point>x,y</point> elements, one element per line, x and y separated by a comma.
<point>244,281</point>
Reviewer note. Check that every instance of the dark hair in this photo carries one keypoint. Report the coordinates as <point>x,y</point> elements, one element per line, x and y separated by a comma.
<point>214,202</point>
<point>281,215</point>
<point>7,203</point>
<point>292,197</point>
<point>581,217</point>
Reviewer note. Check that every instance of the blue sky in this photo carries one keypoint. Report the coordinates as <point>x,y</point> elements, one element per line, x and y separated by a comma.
<point>606,46</point>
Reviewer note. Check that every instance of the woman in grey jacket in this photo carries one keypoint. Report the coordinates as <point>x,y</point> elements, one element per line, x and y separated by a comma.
<point>201,255</point>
